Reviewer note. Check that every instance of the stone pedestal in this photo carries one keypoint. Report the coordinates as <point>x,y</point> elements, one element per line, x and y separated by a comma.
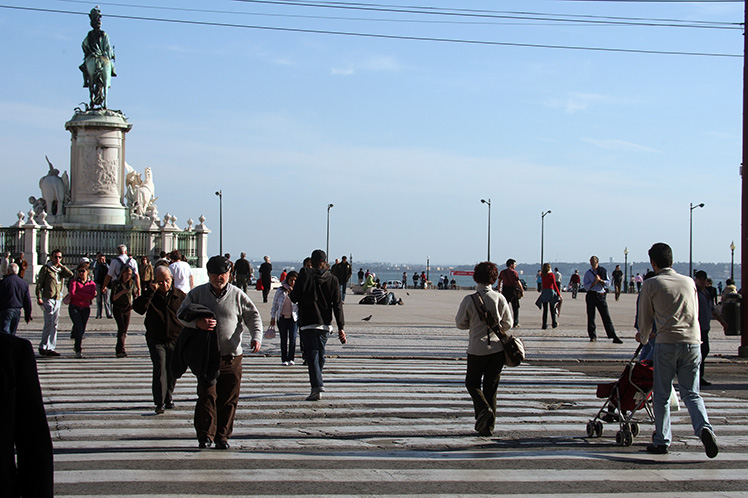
<point>97,169</point>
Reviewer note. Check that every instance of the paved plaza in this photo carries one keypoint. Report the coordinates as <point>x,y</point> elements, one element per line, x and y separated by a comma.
<point>395,420</point>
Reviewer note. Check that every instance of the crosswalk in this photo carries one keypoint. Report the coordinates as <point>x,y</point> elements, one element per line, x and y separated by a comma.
<point>385,427</point>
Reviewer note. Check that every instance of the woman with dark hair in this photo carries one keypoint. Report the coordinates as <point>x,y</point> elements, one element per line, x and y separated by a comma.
<point>286,315</point>
<point>485,353</point>
<point>549,295</point>
<point>81,291</point>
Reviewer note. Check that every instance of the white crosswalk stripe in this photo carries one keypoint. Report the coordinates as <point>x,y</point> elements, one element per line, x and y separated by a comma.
<point>384,427</point>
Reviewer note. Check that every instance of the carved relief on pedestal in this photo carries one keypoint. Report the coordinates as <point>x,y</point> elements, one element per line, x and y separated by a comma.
<point>100,170</point>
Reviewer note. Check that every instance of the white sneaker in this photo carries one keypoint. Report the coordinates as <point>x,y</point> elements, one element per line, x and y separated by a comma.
<point>291,362</point>
<point>285,363</point>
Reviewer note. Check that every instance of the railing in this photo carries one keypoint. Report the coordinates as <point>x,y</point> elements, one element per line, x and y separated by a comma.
<point>12,240</point>
<point>186,245</point>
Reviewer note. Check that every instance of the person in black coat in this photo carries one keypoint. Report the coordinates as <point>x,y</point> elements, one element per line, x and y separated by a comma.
<point>26,462</point>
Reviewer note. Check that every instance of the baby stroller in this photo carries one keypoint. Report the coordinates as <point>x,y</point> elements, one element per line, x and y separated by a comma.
<point>624,399</point>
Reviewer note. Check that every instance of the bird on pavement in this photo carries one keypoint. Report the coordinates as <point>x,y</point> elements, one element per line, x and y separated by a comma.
<point>366,319</point>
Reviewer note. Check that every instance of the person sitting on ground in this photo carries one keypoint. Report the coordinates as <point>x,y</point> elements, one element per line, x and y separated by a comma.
<point>381,296</point>
<point>369,283</point>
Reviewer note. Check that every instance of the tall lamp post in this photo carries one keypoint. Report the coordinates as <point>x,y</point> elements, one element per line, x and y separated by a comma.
<point>732,260</point>
<point>542,233</point>
<point>327,247</point>
<point>488,257</point>
<point>625,269</point>
<point>690,238</point>
<point>220,221</point>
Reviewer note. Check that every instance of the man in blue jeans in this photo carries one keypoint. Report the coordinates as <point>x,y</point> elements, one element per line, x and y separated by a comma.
<point>317,292</point>
<point>670,301</point>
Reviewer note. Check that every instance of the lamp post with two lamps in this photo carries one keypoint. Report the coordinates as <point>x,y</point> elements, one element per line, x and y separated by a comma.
<point>690,238</point>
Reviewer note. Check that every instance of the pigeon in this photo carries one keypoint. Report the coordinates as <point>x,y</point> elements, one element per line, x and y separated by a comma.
<point>366,319</point>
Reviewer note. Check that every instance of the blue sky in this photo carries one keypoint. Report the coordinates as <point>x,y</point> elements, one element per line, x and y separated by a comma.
<point>404,137</point>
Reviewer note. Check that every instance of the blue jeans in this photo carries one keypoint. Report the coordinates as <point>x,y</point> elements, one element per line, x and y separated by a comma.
<point>51,317</point>
<point>342,291</point>
<point>314,342</point>
<point>9,319</point>
<point>287,329</point>
<point>79,316</point>
<point>683,360</point>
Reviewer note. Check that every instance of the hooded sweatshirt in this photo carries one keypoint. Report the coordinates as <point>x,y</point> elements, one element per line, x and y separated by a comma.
<point>317,293</point>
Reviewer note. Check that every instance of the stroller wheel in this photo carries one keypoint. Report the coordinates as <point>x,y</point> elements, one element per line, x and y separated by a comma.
<point>628,438</point>
<point>635,429</point>
<point>590,428</point>
<point>619,438</point>
<point>598,428</point>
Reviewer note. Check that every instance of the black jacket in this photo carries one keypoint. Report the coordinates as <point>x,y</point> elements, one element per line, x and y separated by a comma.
<point>26,467</point>
<point>161,322</point>
<point>197,349</point>
<point>317,293</point>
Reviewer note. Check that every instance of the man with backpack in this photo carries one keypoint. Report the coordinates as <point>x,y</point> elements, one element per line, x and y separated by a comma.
<point>120,262</point>
<point>100,270</point>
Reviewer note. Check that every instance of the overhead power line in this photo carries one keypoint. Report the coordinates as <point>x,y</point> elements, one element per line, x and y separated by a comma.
<point>381,36</point>
<point>489,14</point>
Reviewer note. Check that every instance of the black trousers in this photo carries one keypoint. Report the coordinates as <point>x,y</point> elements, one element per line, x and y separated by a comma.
<point>510,293</point>
<point>596,301</point>
<point>163,380</point>
<point>485,370</point>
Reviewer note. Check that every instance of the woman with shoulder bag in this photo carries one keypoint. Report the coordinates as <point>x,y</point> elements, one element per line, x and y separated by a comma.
<point>485,352</point>
<point>286,315</point>
<point>122,293</point>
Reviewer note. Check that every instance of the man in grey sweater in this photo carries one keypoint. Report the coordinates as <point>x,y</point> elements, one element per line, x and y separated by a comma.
<point>234,313</point>
<point>669,300</point>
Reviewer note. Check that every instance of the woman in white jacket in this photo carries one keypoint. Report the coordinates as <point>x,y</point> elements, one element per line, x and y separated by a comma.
<point>485,358</point>
<point>286,315</point>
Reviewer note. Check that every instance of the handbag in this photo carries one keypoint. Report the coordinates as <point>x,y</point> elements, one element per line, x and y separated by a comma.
<point>269,333</point>
<point>514,347</point>
<point>66,299</point>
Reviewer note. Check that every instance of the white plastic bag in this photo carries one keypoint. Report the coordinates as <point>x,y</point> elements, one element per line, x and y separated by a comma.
<point>270,333</point>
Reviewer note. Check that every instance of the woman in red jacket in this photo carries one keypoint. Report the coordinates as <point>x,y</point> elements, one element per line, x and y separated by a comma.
<point>549,295</point>
<point>81,291</point>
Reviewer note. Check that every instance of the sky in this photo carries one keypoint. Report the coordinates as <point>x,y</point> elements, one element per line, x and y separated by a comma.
<point>404,135</point>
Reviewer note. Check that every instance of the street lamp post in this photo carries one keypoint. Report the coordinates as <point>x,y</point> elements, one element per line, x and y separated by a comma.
<point>732,260</point>
<point>488,257</point>
<point>327,247</point>
<point>542,233</point>
<point>220,221</point>
<point>690,238</point>
<point>625,269</point>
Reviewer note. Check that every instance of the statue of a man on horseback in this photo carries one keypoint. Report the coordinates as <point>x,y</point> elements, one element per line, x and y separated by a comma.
<point>98,62</point>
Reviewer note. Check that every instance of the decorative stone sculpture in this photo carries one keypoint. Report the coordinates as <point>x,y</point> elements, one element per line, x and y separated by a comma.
<point>139,196</point>
<point>55,191</point>
<point>98,62</point>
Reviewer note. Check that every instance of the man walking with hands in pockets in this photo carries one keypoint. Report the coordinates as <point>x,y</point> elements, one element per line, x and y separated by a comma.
<point>317,293</point>
<point>669,300</point>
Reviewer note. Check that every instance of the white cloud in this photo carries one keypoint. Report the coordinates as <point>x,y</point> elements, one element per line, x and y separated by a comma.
<point>374,64</point>
<point>618,145</point>
<point>575,102</point>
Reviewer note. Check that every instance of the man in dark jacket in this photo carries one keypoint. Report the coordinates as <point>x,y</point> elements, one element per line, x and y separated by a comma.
<point>160,303</point>
<point>317,293</point>
<point>26,466</point>
<point>265,274</point>
<point>14,296</point>
<point>342,272</point>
